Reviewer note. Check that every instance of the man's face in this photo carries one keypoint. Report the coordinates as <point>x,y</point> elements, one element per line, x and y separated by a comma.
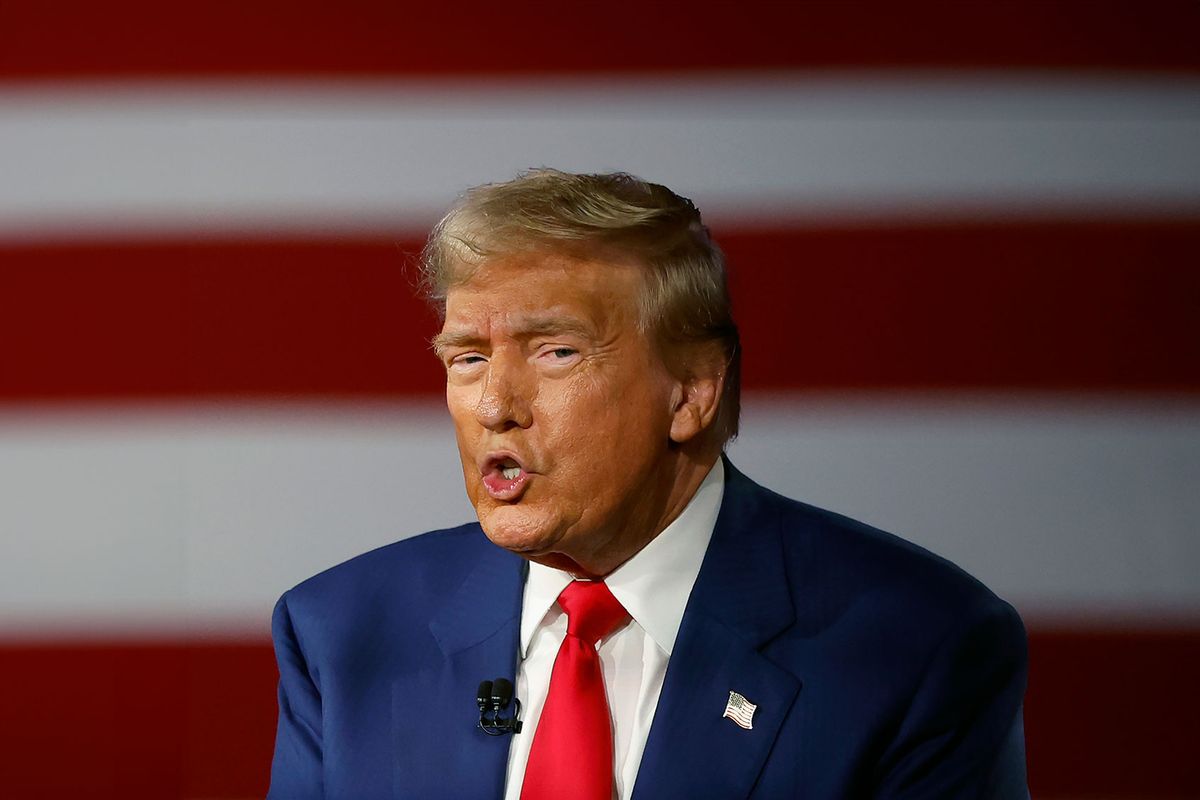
<point>561,405</point>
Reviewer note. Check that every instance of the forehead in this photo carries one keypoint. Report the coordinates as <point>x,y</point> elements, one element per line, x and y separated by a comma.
<point>535,285</point>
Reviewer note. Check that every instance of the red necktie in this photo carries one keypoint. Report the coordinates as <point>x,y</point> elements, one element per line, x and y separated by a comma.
<point>572,752</point>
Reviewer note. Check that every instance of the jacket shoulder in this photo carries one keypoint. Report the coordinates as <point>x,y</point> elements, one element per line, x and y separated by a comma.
<point>836,563</point>
<point>422,556</point>
<point>407,578</point>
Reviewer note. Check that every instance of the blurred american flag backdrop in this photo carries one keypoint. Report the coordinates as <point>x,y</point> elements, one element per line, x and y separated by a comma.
<point>964,239</point>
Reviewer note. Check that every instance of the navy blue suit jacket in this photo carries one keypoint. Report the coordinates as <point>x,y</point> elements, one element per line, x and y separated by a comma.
<point>878,669</point>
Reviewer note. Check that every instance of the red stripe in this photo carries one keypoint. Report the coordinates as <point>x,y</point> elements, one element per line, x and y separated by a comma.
<point>1113,714</point>
<point>144,38</point>
<point>185,320</point>
<point>128,722</point>
<point>1108,714</point>
<point>1090,306</point>
<point>1084,306</point>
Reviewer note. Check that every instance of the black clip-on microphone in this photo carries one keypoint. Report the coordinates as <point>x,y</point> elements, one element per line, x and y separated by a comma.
<point>492,698</point>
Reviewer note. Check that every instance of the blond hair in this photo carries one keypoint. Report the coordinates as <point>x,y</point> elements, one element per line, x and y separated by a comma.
<point>686,300</point>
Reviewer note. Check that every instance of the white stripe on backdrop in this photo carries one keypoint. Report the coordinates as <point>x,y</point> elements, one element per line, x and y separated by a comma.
<point>151,521</point>
<point>141,159</point>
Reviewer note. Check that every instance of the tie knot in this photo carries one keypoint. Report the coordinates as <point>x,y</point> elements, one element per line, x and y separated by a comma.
<point>592,611</point>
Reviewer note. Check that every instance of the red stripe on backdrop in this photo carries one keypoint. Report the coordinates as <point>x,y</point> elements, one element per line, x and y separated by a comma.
<point>276,320</point>
<point>1108,714</point>
<point>131,721</point>
<point>1114,714</point>
<point>141,38</point>
<point>1089,306</point>
<point>1083,306</point>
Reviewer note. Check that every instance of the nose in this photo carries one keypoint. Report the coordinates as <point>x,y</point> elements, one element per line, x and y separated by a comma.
<point>503,399</point>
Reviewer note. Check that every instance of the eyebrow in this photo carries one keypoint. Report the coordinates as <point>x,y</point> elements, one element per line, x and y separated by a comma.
<point>524,327</point>
<point>447,339</point>
<point>551,325</point>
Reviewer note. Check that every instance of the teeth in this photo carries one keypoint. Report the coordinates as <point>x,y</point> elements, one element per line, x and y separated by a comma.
<point>510,472</point>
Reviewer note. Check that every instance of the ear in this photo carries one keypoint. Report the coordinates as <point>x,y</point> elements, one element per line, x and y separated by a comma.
<point>697,395</point>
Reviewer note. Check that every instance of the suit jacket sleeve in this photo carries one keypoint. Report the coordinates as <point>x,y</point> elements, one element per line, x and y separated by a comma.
<point>962,736</point>
<point>296,771</point>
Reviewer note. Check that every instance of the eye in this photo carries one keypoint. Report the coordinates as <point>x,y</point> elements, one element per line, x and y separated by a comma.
<point>556,354</point>
<point>466,360</point>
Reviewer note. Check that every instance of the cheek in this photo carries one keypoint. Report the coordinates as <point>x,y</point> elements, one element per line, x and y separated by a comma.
<point>458,403</point>
<point>462,415</point>
<point>589,436</point>
<point>578,417</point>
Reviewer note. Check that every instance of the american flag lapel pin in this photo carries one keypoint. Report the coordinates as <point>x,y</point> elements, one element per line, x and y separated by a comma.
<point>740,710</point>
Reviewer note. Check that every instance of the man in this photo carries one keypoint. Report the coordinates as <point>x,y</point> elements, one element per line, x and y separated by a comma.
<point>674,630</point>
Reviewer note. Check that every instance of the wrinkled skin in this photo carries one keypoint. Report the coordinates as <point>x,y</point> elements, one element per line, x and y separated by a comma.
<point>546,364</point>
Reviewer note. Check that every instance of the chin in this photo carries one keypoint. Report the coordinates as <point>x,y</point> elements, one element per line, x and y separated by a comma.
<point>520,530</point>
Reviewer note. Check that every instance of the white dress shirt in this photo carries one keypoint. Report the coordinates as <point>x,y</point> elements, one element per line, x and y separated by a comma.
<point>654,587</point>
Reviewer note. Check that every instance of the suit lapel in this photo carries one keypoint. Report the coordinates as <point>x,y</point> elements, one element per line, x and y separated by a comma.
<point>440,751</point>
<point>740,602</point>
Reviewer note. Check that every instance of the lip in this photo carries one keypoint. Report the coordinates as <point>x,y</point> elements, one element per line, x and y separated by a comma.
<point>498,486</point>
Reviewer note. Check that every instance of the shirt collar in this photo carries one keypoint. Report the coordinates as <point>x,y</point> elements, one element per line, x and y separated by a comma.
<point>653,585</point>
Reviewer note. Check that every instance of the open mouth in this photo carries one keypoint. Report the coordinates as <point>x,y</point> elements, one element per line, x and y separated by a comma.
<point>504,477</point>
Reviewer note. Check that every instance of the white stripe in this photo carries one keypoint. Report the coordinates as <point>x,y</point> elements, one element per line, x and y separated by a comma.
<point>199,519</point>
<point>371,156</point>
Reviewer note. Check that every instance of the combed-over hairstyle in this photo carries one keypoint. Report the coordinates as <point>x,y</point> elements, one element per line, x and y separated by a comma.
<point>687,295</point>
